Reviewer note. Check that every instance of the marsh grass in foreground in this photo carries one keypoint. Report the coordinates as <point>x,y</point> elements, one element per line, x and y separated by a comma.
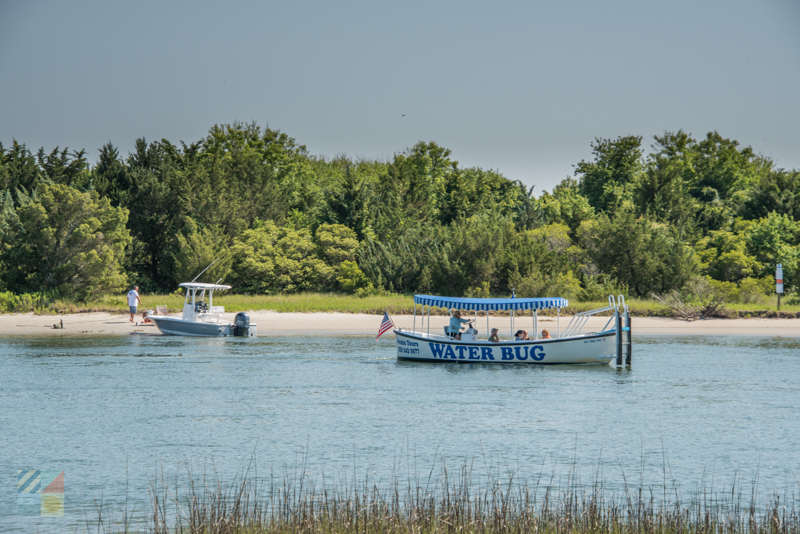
<point>453,502</point>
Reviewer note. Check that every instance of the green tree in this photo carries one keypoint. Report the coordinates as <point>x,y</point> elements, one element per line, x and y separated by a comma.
<point>645,256</point>
<point>19,170</point>
<point>608,181</point>
<point>470,192</point>
<point>157,201</point>
<point>272,259</point>
<point>774,239</point>
<point>663,191</point>
<point>777,191</point>
<point>337,243</point>
<point>198,250</point>
<point>253,174</point>
<point>109,176</point>
<point>725,175</point>
<point>75,242</point>
<point>566,205</point>
<point>723,256</point>
<point>417,179</point>
<point>63,167</point>
<point>352,196</point>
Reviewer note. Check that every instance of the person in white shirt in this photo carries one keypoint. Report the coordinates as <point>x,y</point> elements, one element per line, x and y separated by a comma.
<point>133,298</point>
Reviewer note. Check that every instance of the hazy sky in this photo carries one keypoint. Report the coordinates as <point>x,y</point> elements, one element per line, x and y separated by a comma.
<point>520,87</point>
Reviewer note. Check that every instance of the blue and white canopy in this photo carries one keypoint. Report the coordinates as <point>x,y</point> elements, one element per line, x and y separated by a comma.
<point>491,304</point>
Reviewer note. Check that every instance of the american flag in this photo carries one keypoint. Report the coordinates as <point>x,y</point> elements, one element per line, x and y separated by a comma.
<point>386,325</point>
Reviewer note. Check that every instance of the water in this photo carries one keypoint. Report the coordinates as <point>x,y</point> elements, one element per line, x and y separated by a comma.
<point>111,410</point>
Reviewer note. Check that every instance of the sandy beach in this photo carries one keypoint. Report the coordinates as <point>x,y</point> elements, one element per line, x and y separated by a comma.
<point>273,323</point>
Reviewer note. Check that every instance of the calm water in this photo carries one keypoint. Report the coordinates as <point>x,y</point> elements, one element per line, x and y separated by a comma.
<point>110,409</point>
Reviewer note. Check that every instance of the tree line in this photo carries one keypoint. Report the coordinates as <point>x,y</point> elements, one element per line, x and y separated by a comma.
<point>278,219</point>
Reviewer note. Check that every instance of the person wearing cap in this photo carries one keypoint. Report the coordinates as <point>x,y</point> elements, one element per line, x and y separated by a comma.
<point>134,300</point>
<point>493,337</point>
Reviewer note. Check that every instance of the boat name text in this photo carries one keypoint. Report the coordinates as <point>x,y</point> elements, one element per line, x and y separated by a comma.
<point>466,352</point>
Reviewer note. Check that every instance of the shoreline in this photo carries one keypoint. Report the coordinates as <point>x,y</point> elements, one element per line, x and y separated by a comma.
<point>272,323</point>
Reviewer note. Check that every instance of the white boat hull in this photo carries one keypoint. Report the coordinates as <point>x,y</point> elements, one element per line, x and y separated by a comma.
<point>180,327</point>
<point>591,348</point>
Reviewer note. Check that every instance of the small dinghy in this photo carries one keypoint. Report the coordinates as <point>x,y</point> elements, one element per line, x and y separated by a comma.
<point>570,347</point>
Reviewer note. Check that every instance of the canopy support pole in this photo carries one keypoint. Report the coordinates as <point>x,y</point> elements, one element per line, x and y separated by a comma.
<point>487,323</point>
<point>429,320</point>
<point>535,331</point>
<point>558,321</point>
<point>414,328</point>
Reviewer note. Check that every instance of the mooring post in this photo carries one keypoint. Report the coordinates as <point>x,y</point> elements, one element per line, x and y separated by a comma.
<point>629,339</point>
<point>618,337</point>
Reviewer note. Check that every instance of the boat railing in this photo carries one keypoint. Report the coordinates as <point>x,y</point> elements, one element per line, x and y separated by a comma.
<point>217,309</point>
<point>579,320</point>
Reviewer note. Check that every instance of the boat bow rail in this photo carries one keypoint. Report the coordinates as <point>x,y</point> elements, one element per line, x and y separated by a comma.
<point>579,320</point>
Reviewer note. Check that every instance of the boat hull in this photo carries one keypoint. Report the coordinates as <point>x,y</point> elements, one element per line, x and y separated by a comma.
<point>179,327</point>
<point>593,348</point>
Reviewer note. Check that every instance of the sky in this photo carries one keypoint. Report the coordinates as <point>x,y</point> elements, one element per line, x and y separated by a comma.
<point>521,87</point>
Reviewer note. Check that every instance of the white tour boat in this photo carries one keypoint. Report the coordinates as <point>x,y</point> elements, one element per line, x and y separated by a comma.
<point>571,346</point>
<point>200,318</point>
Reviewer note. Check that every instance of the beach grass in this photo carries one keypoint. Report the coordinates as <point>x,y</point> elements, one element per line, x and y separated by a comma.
<point>337,302</point>
<point>441,500</point>
<point>298,302</point>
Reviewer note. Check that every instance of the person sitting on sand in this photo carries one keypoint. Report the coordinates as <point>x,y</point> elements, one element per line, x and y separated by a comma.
<point>455,325</point>
<point>546,334</point>
<point>494,338</point>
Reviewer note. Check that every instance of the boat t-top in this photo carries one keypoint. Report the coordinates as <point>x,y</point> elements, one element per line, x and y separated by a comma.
<point>570,346</point>
<point>202,318</point>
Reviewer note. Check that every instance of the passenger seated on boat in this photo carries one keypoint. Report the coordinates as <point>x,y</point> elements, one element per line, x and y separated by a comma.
<point>454,330</point>
<point>494,337</point>
<point>546,334</point>
<point>520,335</point>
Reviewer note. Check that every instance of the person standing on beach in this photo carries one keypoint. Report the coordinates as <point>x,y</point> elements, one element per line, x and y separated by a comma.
<point>133,298</point>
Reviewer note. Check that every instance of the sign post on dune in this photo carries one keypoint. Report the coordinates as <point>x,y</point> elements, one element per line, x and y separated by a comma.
<point>779,283</point>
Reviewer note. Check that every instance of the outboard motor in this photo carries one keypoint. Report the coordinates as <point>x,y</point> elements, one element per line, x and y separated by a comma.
<point>241,324</point>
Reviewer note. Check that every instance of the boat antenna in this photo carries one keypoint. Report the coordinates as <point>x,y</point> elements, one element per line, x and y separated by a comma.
<point>204,270</point>
<point>218,281</point>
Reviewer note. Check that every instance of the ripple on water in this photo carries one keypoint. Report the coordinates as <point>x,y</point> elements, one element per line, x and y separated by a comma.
<point>114,408</point>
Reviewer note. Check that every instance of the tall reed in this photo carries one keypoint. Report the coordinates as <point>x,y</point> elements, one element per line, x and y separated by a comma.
<point>460,501</point>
